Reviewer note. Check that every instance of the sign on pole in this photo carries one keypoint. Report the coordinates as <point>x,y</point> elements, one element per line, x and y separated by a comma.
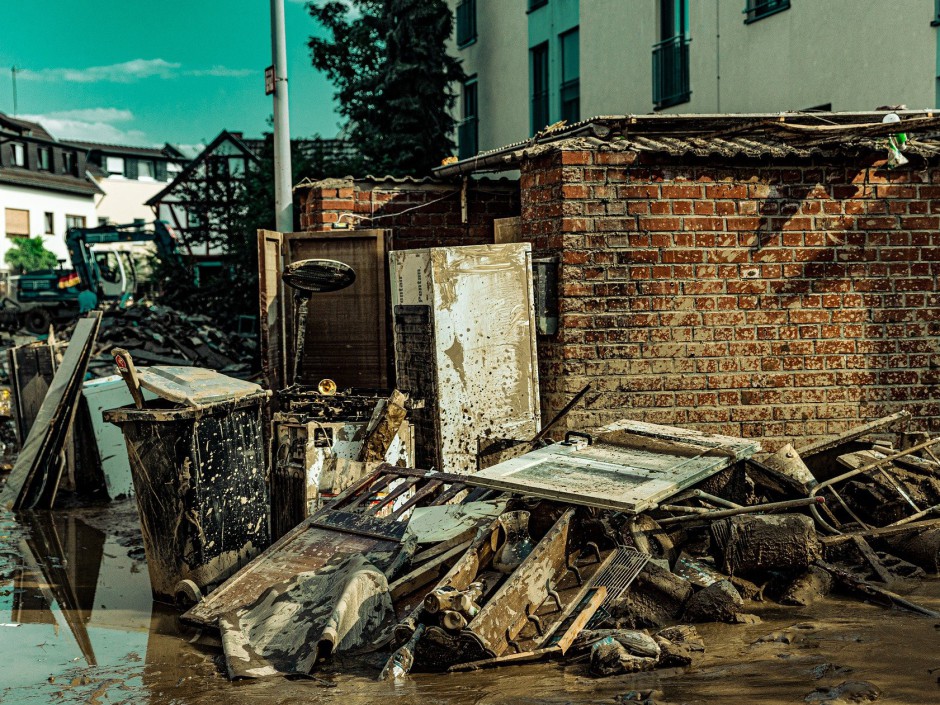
<point>269,80</point>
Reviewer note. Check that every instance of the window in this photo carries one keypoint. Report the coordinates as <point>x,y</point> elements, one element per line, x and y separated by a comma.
<point>466,22</point>
<point>539,82</point>
<point>44,161</point>
<point>468,132</point>
<point>236,166</point>
<point>759,9</point>
<point>935,22</point>
<point>145,169</point>
<point>114,166</point>
<point>108,266</point>
<point>671,55</point>
<point>19,154</point>
<point>74,221</point>
<point>536,4</point>
<point>570,76</point>
<point>50,223</point>
<point>17,222</point>
<point>70,163</point>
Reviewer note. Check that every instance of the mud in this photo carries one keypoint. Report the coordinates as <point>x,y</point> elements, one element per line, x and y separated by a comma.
<point>143,655</point>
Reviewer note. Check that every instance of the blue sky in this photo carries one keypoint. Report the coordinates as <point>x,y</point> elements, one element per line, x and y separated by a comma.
<point>146,72</point>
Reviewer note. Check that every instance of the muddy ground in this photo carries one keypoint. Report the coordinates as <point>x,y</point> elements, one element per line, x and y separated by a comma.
<point>74,590</point>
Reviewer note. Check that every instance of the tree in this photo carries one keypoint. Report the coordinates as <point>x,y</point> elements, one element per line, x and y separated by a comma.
<point>394,79</point>
<point>29,254</point>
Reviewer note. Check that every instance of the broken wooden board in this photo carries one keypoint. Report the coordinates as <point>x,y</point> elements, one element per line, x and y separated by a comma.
<point>354,523</point>
<point>34,480</point>
<point>637,466</point>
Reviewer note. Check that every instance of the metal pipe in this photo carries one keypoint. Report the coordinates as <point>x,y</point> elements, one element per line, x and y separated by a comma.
<point>753,509</point>
<point>283,192</point>
<point>715,499</point>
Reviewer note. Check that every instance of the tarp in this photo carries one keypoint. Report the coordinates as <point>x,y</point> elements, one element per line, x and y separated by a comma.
<point>344,607</point>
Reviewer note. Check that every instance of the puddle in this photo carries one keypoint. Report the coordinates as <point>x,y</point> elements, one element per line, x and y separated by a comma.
<point>77,625</point>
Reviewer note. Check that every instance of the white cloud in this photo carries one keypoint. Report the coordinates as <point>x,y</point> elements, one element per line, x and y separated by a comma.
<point>125,72</point>
<point>91,125</point>
<point>128,72</point>
<point>222,71</point>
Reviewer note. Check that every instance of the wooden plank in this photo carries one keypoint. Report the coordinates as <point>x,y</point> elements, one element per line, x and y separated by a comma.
<point>594,602</point>
<point>822,446</point>
<point>270,307</point>
<point>425,573</point>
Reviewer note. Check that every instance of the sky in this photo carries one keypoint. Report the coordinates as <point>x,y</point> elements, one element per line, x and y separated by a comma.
<point>146,72</point>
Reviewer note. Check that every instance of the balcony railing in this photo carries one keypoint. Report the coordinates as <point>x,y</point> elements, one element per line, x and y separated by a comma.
<point>468,138</point>
<point>671,72</point>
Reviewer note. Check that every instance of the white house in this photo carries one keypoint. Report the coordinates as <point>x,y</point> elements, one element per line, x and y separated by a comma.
<point>44,187</point>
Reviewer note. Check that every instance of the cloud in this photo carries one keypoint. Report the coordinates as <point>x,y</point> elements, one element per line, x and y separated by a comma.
<point>91,125</point>
<point>129,72</point>
<point>125,72</point>
<point>222,71</point>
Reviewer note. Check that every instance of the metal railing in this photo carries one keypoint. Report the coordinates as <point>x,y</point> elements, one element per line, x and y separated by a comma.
<point>671,72</point>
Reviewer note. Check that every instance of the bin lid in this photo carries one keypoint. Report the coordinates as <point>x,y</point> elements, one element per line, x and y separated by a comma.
<point>194,385</point>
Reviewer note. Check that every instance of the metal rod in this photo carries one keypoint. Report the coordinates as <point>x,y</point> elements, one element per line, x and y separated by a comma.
<point>753,509</point>
<point>714,499</point>
<point>560,415</point>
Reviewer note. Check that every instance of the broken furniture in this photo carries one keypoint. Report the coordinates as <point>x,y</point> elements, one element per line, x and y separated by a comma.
<point>629,466</point>
<point>370,517</point>
<point>34,480</point>
<point>346,339</point>
<point>464,337</point>
<point>323,443</point>
<point>198,464</point>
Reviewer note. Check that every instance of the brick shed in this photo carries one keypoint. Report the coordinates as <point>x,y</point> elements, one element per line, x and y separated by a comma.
<point>758,275</point>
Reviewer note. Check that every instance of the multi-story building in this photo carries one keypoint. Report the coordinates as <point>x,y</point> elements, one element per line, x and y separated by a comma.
<point>129,177</point>
<point>44,187</point>
<point>532,63</point>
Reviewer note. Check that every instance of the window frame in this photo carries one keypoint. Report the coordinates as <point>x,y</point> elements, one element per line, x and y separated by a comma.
<point>543,96</point>
<point>468,10</point>
<point>672,51</point>
<point>107,165</point>
<point>19,148</point>
<point>575,82</point>
<point>70,163</point>
<point>470,121</point>
<point>74,221</point>
<point>756,10</point>
<point>40,153</point>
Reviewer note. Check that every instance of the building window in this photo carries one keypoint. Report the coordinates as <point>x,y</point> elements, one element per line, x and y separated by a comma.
<point>114,166</point>
<point>536,4</point>
<point>935,22</point>
<point>236,167</point>
<point>466,22</point>
<point>74,221</point>
<point>570,92</point>
<point>539,82</point>
<point>44,161</point>
<point>671,55</point>
<point>759,9</point>
<point>70,163</point>
<point>17,222</point>
<point>19,154</point>
<point>468,132</point>
<point>145,169</point>
<point>50,223</point>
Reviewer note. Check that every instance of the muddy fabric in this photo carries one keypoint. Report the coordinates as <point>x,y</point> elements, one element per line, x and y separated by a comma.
<point>609,657</point>
<point>344,607</point>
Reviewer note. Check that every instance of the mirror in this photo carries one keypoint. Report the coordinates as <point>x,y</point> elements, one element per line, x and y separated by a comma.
<point>318,276</point>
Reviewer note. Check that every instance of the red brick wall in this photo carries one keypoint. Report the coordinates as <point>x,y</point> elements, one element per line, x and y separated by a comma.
<point>766,301</point>
<point>422,214</point>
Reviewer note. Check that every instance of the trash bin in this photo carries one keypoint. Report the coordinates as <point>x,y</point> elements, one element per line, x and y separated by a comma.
<point>199,475</point>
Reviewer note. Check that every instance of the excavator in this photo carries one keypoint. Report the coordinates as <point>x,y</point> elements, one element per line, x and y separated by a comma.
<point>111,273</point>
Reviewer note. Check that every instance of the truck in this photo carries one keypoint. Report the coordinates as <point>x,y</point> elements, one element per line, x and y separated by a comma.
<point>98,264</point>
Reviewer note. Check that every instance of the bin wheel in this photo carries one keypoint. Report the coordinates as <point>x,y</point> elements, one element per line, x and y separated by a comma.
<point>37,320</point>
<point>187,593</point>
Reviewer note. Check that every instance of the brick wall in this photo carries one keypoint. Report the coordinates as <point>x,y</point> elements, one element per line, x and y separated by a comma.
<point>783,301</point>
<point>418,213</point>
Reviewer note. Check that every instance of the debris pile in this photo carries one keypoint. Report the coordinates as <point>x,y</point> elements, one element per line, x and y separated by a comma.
<point>158,335</point>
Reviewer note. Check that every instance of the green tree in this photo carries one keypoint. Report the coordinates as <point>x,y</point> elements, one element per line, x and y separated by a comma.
<point>29,254</point>
<point>394,79</point>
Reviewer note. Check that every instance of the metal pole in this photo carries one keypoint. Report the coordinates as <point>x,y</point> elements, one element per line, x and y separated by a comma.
<point>283,198</point>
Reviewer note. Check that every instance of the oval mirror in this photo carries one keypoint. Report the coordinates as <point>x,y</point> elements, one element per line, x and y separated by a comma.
<point>318,276</point>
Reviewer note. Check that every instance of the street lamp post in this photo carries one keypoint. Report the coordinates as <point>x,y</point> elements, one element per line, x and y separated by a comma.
<point>283,197</point>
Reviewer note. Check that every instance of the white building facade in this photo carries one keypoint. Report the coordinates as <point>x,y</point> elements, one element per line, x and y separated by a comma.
<point>532,63</point>
<point>44,188</point>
